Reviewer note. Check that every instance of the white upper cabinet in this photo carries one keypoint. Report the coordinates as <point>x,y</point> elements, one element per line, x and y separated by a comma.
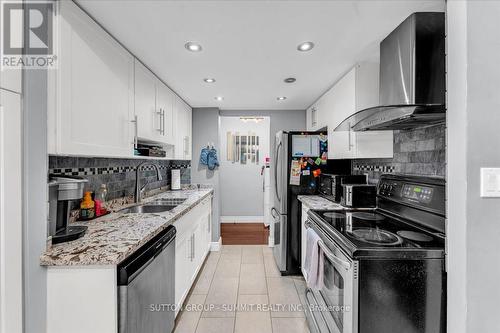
<point>102,100</point>
<point>148,116</point>
<point>357,90</point>
<point>165,105</point>
<point>91,94</point>
<point>183,130</point>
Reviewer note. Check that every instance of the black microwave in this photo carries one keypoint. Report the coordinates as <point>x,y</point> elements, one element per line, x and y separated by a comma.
<point>330,186</point>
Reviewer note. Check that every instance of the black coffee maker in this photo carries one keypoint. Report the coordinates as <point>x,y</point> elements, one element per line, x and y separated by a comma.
<point>63,191</point>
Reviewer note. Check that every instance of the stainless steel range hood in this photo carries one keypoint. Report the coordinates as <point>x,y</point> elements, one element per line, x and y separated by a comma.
<point>412,78</point>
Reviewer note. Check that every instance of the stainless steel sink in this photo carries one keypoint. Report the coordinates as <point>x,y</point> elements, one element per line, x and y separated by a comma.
<point>148,208</point>
<point>170,201</point>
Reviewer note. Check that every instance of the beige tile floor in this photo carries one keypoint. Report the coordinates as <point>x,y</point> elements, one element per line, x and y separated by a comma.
<point>235,291</point>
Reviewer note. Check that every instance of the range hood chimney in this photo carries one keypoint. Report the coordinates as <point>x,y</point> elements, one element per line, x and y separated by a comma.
<point>412,77</point>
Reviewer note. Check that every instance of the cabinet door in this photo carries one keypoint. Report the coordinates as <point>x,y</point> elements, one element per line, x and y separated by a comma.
<point>182,266</point>
<point>148,116</point>
<point>183,119</point>
<point>189,132</point>
<point>179,131</point>
<point>303,242</point>
<point>165,104</point>
<point>341,104</point>
<point>94,90</point>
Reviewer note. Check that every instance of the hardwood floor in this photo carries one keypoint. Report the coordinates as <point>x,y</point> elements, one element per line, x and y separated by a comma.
<point>244,234</point>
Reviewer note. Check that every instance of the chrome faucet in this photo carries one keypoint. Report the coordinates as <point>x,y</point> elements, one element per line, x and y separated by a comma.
<point>139,189</point>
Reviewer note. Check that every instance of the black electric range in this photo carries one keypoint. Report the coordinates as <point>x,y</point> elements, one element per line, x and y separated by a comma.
<point>387,262</point>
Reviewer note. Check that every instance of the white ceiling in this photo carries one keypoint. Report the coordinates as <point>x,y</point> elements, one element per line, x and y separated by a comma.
<point>249,47</point>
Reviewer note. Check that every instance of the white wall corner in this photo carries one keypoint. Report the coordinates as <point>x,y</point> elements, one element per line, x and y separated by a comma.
<point>216,246</point>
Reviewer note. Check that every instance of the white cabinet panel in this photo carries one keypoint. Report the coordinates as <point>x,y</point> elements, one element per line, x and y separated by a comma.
<point>356,91</point>
<point>183,121</point>
<point>165,105</point>
<point>11,300</point>
<point>148,117</point>
<point>94,90</point>
<point>192,244</point>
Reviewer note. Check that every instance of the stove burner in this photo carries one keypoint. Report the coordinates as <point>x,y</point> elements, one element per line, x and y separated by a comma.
<point>377,236</point>
<point>368,216</point>
<point>415,236</point>
<point>334,215</point>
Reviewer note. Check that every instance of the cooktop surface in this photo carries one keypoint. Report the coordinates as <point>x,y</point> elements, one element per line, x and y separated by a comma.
<point>375,229</point>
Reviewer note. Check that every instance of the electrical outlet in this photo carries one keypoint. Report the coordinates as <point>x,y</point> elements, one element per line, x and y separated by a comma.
<point>490,182</point>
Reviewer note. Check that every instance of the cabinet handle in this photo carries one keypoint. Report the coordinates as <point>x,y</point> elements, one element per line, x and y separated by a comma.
<point>349,136</point>
<point>135,131</point>
<point>159,117</point>
<point>186,145</point>
<point>194,245</point>
<point>163,121</point>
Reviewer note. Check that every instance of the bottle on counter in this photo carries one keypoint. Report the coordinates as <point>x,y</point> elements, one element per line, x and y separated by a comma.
<point>87,206</point>
<point>100,200</point>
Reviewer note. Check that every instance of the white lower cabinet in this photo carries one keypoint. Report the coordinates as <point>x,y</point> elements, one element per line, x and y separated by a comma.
<point>191,247</point>
<point>303,242</point>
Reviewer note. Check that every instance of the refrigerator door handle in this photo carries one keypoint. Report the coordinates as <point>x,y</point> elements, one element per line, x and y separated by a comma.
<point>273,210</point>
<point>277,166</point>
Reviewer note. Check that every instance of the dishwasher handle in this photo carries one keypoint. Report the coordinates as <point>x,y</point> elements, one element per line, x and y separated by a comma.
<point>132,266</point>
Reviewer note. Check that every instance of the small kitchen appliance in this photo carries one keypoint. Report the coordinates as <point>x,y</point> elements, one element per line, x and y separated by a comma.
<point>384,269</point>
<point>330,186</point>
<point>359,196</point>
<point>63,191</point>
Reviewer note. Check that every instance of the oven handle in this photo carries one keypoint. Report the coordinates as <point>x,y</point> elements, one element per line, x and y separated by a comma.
<point>329,254</point>
<point>308,291</point>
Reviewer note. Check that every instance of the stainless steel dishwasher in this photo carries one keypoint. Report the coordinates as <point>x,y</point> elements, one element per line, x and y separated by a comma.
<point>146,286</point>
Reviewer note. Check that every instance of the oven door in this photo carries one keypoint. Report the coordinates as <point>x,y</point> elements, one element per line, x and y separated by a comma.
<point>335,305</point>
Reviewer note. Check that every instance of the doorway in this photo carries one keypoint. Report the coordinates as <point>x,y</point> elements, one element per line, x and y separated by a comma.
<point>244,180</point>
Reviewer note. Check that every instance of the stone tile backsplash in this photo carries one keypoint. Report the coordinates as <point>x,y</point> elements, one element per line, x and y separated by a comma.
<point>118,174</point>
<point>416,152</point>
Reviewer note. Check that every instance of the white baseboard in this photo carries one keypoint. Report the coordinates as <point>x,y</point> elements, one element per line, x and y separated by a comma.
<point>242,219</point>
<point>215,246</point>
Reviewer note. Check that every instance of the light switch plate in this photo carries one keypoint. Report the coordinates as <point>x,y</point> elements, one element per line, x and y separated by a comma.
<point>490,182</point>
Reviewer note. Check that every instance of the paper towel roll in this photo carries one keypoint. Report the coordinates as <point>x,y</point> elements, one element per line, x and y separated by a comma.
<point>176,179</point>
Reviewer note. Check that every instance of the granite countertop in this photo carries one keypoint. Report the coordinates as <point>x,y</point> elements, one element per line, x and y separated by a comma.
<point>112,238</point>
<point>317,202</point>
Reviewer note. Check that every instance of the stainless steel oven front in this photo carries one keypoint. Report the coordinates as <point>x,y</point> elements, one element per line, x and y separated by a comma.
<point>333,308</point>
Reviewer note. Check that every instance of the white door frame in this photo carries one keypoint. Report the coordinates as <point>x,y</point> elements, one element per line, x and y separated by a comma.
<point>11,273</point>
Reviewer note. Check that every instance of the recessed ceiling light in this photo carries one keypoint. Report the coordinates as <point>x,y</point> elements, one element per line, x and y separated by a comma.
<point>290,80</point>
<point>281,98</point>
<point>209,80</point>
<point>305,46</point>
<point>192,46</point>
<point>219,98</point>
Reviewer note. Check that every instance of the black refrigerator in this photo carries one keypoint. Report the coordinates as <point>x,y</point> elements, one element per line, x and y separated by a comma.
<point>298,159</point>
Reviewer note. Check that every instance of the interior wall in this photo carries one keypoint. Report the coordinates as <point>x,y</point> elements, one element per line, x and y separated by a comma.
<point>205,130</point>
<point>420,151</point>
<point>241,185</point>
<point>473,118</point>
